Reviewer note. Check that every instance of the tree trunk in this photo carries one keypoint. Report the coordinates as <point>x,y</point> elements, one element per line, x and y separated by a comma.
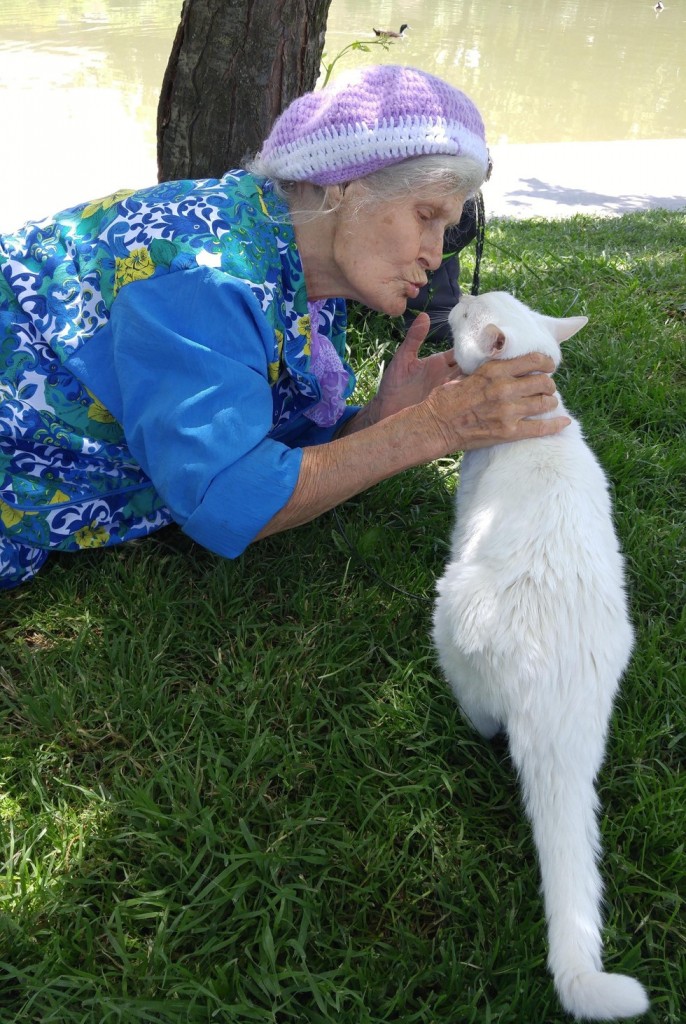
<point>234,66</point>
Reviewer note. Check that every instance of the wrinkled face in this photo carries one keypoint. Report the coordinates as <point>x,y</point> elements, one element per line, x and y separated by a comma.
<point>383,251</point>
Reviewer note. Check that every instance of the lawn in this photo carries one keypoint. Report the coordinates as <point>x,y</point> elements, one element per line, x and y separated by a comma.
<point>240,791</point>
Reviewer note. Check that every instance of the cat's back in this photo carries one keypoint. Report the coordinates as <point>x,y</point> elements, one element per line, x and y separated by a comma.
<point>538,508</point>
<point>536,578</point>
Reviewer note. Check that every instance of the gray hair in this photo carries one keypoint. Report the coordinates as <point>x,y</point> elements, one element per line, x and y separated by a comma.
<point>431,174</point>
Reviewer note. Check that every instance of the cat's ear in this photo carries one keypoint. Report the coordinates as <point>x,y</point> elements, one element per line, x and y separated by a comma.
<point>494,339</point>
<point>565,327</point>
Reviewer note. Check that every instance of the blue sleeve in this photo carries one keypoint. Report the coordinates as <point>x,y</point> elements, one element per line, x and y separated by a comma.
<point>190,353</point>
<point>303,433</point>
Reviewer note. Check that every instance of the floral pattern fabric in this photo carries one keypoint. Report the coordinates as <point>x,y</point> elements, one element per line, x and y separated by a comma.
<point>67,478</point>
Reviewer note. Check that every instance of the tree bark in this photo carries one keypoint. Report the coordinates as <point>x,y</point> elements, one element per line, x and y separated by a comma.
<point>234,66</point>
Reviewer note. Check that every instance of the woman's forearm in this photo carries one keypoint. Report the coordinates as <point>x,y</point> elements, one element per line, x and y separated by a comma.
<point>361,457</point>
<point>500,402</point>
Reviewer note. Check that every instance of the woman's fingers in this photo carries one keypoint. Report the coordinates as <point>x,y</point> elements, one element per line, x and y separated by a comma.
<point>534,362</point>
<point>499,402</point>
<point>416,335</point>
<point>544,427</point>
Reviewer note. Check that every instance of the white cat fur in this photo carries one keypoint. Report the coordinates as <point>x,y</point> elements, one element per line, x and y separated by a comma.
<point>532,631</point>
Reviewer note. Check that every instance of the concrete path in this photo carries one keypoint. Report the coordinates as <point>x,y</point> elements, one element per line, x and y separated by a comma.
<point>551,180</point>
<point>555,180</point>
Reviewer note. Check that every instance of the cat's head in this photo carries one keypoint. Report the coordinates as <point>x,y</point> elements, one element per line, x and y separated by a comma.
<point>498,326</point>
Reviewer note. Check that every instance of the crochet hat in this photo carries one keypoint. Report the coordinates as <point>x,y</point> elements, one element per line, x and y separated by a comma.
<point>379,116</point>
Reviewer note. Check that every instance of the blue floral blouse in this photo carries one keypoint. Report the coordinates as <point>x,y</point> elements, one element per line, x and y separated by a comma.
<point>155,366</point>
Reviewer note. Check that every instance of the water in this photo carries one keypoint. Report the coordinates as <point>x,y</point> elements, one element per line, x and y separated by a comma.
<point>80,79</point>
<point>543,70</point>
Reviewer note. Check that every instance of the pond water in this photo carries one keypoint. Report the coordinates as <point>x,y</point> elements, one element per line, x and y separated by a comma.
<point>80,79</point>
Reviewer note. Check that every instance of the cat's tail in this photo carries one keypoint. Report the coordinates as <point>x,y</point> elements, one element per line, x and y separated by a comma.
<point>557,768</point>
<point>596,995</point>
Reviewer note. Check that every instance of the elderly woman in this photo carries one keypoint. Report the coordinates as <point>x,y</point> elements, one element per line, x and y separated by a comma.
<point>177,354</point>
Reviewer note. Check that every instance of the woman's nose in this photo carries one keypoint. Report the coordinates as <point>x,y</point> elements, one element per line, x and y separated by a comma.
<point>432,252</point>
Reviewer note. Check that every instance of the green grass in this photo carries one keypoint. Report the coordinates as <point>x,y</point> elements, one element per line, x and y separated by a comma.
<point>239,791</point>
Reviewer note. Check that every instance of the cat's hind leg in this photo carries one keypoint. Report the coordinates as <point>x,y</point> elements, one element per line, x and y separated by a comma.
<point>485,723</point>
<point>463,675</point>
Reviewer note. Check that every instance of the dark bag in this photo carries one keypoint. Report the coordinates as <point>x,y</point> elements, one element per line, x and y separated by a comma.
<point>442,292</point>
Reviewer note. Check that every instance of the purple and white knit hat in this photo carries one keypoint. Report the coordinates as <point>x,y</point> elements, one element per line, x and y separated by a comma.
<point>379,116</point>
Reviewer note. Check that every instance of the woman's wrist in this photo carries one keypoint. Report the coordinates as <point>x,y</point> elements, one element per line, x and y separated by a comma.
<point>365,417</point>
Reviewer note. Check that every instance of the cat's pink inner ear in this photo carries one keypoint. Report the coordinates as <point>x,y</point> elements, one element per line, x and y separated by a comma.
<point>495,339</point>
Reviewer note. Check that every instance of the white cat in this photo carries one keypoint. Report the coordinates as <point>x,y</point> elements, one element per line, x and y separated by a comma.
<point>532,632</point>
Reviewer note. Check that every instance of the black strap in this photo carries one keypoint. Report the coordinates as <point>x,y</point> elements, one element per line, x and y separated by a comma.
<point>480,239</point>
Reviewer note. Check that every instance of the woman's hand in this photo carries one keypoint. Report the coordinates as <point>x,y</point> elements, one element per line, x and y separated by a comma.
<point>408,379</point>
<point>425,409</point>
<point>495,404</point>
<point>503,400</point>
